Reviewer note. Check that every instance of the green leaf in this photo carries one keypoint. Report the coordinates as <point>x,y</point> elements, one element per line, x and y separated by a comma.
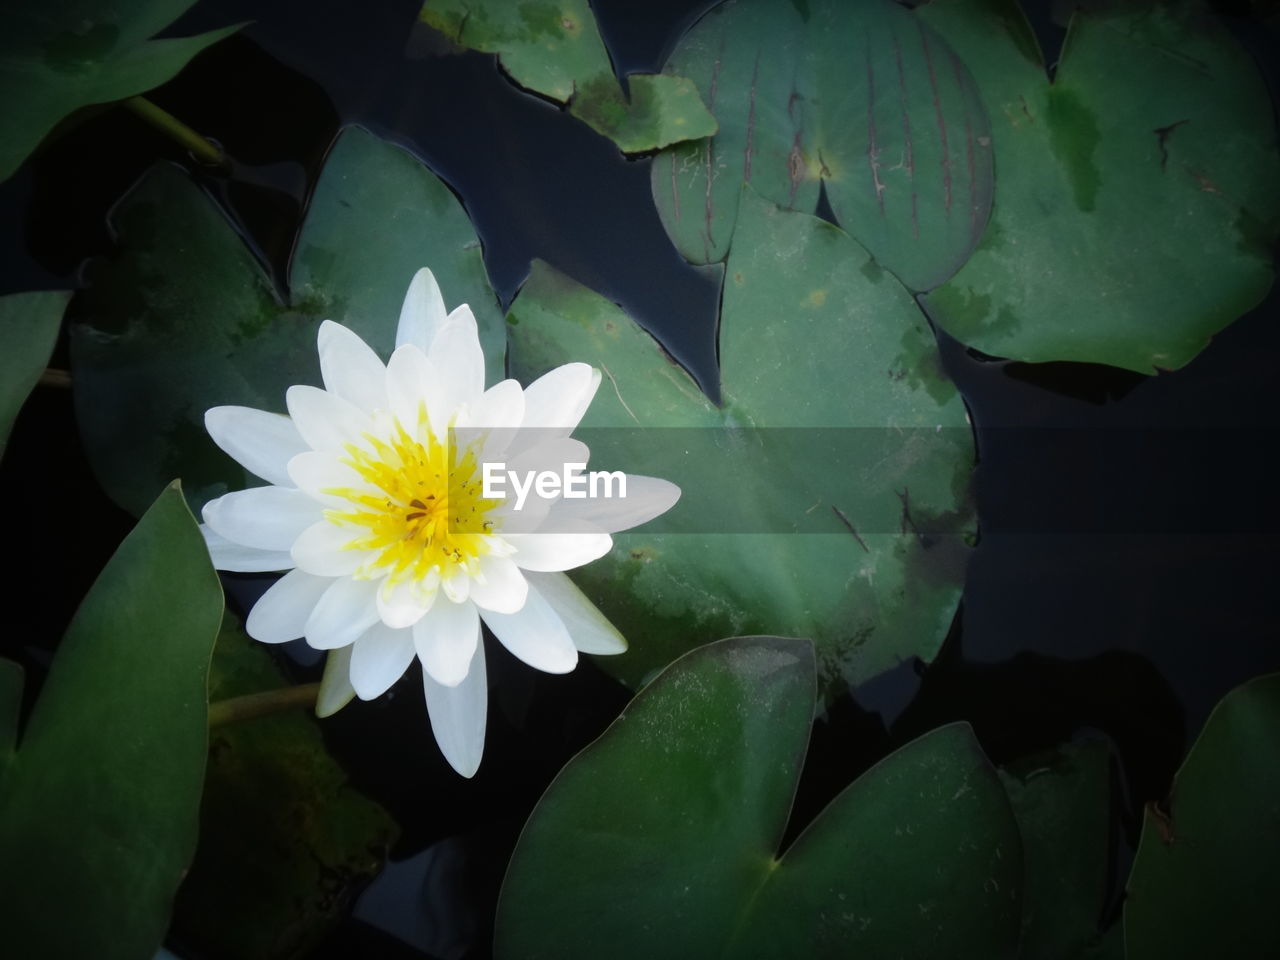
<point>1204,883</point>
<point>666,831</point>
<point>814,336</point>
<point>57,56</point>
<point>99,810</point>
<point>183,318</point>
<point>858,96</point>
<point>1062,802</point>
<point>275,800</point>
<point>30,324</point>
<point>555,49</point>
<point>1138,192</point>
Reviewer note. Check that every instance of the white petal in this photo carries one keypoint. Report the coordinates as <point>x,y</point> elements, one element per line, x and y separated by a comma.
<point>589,629</point>
<point>423,313</point>
<point>535,634</point>
<point>345,610</point>
<point>316,472</point>
<point>335,686</point>
<point>238,558</point>
<point>458,715</point>
<point>446,640</point>
<point>406,603</point>
<point>325,420</point>
<point>350,368</point>
<point>379,658</point>
<point>413,388</point>
<point>457,587</point>
<point>499,407</point>
<point>561,396</point>
<point>322,549</point>
<point>269,518</point>
<point>259,441</point>
<point>459,362</point>
<point>551,552</point>
<point>647,497</point>
<point>280,615</point>
<point>503,588</point>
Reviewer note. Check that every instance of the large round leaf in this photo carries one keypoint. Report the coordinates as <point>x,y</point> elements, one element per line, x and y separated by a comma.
<point>183,318</point>
<point>30,322</point>
<point>556,50</point>
<point>1204,883</point>
<point>99,808</point>
<point>59,55</point>
<point>826,357</point>
<point>859,96</point>
<point>662,838</point>
<point>1138,192</point>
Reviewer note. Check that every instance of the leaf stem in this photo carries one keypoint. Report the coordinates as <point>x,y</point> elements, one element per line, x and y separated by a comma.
<point>55,377</point>
<point>203,149</point>
<point>262,704</point>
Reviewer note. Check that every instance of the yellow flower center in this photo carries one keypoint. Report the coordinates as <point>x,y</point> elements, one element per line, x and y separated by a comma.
<point>427,514</point>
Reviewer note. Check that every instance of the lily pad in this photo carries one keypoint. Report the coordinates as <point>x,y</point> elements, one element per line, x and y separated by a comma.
<point>285,841</point>
<point>30,322</point>
<point>1062,802</point>
<point>1139,191</point>
<point>859,97</point>
<point>665,833</point>
<point>183,318</point>
<point>1204,883</point>
<point>825,357</point>
<point>555,49</point>
<point>57,56</point>
<point>99,808</point>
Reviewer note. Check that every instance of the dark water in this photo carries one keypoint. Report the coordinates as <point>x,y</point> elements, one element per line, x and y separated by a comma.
<point>1071,625</point>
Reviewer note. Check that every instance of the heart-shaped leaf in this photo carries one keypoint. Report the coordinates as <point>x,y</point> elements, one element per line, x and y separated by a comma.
<point>57,56</point>
<point>1204,883</point>
<point>826,358</point>
<point>276,800</point>
<point>1138,192</point>
<point>860,97</point>
<point>664,834</point>
<point>183,318</point>
<point>99,808</point>
<point>556,50</point>
<point>30,322</point>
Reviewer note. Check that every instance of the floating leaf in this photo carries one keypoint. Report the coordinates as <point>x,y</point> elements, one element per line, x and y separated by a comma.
<point>183,318</point>
<point>285,841</point>
<point>1062,802</point>
<point>1138,192</point>
<point>1204,883</point>
<point>57,56</point>
<point>858,96</point>
<point>98,810</point>
<point>30,322</point>
<point>666,831</point>
<point>555,49</point>
<point>813,335</point>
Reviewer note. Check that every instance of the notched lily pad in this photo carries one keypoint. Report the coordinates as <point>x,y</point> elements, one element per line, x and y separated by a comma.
<point>859,97</point>
<point>1139,191</point>
<point>182,317</point>
<point>285,841</point>
<point>666,831</point>
<point>555,50</point>
<point>57,56</point>
<point>844,519</point>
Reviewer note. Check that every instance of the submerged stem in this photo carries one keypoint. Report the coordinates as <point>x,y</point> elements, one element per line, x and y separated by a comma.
<point>252,705</point>
<point>55,377</point>
<point>203,149</point>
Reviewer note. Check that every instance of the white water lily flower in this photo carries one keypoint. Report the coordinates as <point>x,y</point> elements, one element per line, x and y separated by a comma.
<point>366,487</point>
